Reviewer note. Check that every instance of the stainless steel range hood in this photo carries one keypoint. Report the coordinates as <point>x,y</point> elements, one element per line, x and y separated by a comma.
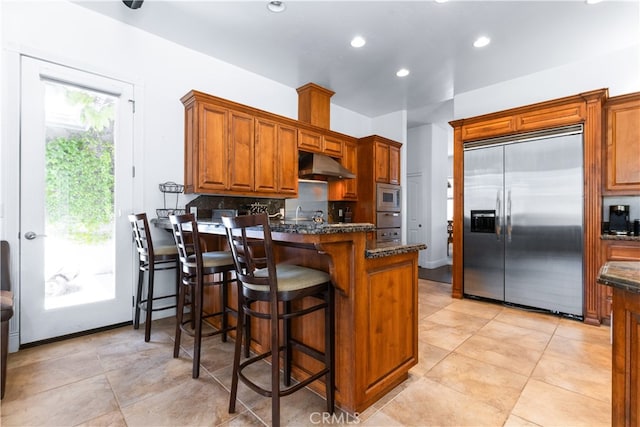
<point>322,168</point>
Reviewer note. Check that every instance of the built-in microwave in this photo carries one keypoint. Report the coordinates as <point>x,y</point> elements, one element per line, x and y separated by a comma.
<point>388,198</point>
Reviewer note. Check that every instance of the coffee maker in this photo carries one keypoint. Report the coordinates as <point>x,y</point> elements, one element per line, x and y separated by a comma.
<point>618,219</point>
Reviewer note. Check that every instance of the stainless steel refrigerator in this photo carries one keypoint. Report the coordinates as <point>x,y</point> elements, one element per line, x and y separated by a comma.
<point>523,220</point>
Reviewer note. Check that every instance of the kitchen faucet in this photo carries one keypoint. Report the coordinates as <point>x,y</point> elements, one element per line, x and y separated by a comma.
<point>298,210</point>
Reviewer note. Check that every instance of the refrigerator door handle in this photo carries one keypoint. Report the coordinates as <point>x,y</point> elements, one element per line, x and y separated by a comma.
<point>509,221</point>
<point>498,214</point>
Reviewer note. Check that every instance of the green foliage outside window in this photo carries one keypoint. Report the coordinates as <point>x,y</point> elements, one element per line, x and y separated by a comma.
<point>80,167</point>
<point>80,185</point>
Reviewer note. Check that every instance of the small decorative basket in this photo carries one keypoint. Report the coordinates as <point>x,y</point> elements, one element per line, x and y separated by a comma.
<point>173,188</point>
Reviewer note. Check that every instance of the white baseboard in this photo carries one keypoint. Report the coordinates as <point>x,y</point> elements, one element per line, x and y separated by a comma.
<point>14,342</point>
<point>436,264</point>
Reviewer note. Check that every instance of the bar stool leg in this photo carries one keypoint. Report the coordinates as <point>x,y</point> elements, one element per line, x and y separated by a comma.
<point>236,354</point>
<point>179,316</point>
<point>136,319</point>
<point>178,278</point>
<point>275,365</point>
<point>288,352</point>
<point>223,304</point>
<point>329,350</point>
<point>247,328</point>
<point>196,313</point>
<point>149,304</point>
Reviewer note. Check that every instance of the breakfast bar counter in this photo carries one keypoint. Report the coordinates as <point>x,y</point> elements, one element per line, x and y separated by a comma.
<point>376,304</point>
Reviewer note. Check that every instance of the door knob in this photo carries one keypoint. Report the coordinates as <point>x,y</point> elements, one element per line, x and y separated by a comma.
<point>30,235</point>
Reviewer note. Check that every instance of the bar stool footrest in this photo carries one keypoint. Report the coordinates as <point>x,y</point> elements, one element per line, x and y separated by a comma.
<point>283,391</point>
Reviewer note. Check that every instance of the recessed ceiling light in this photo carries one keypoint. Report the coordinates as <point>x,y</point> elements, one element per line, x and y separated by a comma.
<point>402,72</point>
<point>276,6</point>
<point>482,41</point>
<point>593,1</point>
<point>441,1</point>
<point>358,41</point>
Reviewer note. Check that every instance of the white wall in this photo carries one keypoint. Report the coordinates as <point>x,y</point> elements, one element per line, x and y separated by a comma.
<point>162,73</point>
<point>427,156</point>
<point>619,71</point>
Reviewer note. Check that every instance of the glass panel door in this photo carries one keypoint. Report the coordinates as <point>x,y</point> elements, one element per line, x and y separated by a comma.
<point>76,160</point>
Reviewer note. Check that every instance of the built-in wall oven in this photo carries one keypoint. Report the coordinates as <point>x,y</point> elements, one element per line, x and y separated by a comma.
<point>388,215</point>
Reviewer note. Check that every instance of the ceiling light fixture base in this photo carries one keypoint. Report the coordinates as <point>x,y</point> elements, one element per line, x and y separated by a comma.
<point>276,6</point>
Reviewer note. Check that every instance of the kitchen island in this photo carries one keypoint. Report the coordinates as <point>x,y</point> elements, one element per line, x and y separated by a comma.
<point>376,304</point>
<point>624,278</point>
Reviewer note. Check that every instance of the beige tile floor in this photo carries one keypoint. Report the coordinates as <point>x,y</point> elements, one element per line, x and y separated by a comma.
<point>480,364</point>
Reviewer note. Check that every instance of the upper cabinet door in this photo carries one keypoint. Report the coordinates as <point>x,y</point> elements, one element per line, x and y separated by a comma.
<point>382,162</point>
<point>266,151</point>
<point>394,164</point>
<point>346,189</point>
<point>241,151</point>
<point>623,144</point>
<point>309,141</point>
<point>276,158</point>
<point>211,167</point>
<point>332,146</point>
<point>287,160</point>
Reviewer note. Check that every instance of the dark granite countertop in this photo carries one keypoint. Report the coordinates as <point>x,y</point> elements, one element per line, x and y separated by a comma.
<point>621,274</point>
<point>628,238</point>
<point>279,226</point>
<point>373,250</point>
<point>383,249</point>
<point>310,227</point>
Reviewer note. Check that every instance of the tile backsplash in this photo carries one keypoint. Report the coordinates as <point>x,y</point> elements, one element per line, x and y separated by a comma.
<point>206,204</point>
<point>312,197</point>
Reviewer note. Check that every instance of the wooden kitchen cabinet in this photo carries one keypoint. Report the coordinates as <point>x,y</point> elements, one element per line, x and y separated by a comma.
<point>206,149</point>
<point>390,323</point>
<point>384,154</point>
<point>346,189</point>
<point>615,250</point>
<point>309,141</point>
<point>378,162</point>
<point>331,146</point>
<point>381,158</point>
<point>316,142</point>
<point>218,147</point>
<point>276,158</point>
<point>622,148</point>
<point>394,164</point>
<point>233,149</point>
<point>241,152</point>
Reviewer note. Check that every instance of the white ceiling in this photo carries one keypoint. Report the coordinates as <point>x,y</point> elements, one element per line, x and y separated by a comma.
<point>309,42</point>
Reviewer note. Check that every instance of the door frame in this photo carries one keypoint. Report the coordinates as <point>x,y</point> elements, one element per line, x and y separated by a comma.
<point>414,211</point>
<point>10,155</point>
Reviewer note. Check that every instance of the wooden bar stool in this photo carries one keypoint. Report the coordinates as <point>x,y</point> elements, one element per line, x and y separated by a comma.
<point>196,266</point>
<point>260,279</point>
<point>151,258</point>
